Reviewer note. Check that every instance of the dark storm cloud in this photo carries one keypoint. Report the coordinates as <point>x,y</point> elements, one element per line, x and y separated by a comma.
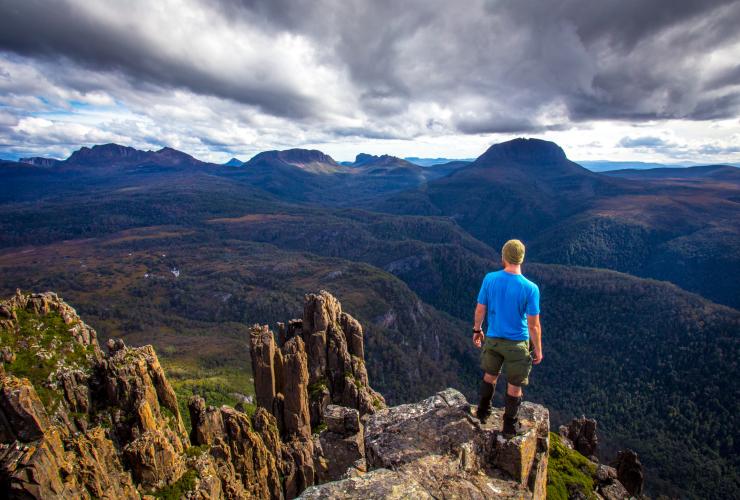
<point>626,60</point>
<point>51,29</point>
<point>496,66</point>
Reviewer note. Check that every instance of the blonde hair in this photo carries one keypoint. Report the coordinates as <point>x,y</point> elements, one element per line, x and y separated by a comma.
<point>513,252</point>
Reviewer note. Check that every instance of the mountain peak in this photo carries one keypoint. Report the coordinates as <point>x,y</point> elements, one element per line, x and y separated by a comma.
<point>174,156</point>
<point>296,156</point>
<point>234,162</point>
<point>40,161</point>
<point>364,159</point>
<point>103,152</point>
<point>524,151</point>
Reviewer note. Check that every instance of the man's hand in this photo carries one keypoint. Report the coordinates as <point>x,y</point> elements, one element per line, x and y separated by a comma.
<point>478,339</point>
<point>537,356</point>
<point>535,334</point>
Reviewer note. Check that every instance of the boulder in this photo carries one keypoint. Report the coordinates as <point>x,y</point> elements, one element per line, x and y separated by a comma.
<point>629,471</point>
<point>581,432</point>
<point>436,449</point>
<point>342,443</point>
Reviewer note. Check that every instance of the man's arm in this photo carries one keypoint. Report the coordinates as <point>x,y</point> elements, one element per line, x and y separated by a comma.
<point>480,313</point>
<point>535,333</point>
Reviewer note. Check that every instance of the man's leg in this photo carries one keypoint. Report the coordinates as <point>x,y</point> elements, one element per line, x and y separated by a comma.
<point>490,363</point>
<point>513,401</point>
<point>517,366</point>
<point>487,388</point>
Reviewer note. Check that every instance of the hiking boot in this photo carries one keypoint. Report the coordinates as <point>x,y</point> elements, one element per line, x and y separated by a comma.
<point>510,413</point>
<point>482,413</point>
<point>484,406</point>
<point>510,428</point>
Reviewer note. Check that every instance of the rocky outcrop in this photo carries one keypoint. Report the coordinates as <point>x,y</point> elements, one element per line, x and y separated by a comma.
<point>90,425</point>
<point>629,471</point>
<point>83,425</point>
<point>622,479</point>
<point>581,434</point>
<point>608,485</point>
<point>343,442</point>
<point>436,449</point>
<point>246,461</point>
<point>312,363</point>
<point>333,345</point>
<point>144,414</point>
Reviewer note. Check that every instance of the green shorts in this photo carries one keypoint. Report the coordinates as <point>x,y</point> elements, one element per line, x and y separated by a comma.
<point>513,355</point>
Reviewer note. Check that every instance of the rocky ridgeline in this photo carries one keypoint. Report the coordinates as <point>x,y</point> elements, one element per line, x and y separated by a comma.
<point>77,423</point>
<point>80,424</point>
<point>623,478</point>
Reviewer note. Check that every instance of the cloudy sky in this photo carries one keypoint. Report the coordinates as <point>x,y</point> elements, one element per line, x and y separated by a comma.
<point>651,80</point>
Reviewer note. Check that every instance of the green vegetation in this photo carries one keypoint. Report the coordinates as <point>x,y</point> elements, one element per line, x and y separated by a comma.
<point>177,490</point>
<point>568,472</point>
<point>319,428</point>
<point>317,388</point>
<point>194,451</point>
<point>41,345</point>
<point>218,386</point>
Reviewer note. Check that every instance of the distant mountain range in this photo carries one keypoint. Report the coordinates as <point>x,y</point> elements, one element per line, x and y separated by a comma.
<point>428,162</point>
<point>593,165</point>
<point>606,165</point>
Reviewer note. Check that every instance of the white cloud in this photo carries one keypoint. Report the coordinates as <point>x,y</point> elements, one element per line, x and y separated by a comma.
<point>422,78</point>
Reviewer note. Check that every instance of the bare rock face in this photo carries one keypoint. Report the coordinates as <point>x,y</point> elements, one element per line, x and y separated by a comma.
<point>581,433</point>
<point>99,466</point>
<point>342,442</point>
<point>608,485</point>
<point>332,344</point>
<point>296,418</point>
<point>88,425</point>
<point>317,362</point>
<point>247,459</point>
<point>262,351</point>
<point>147,418</point>
<point>24,417</point>
<point>629,471</point>
<point>436,449</point>
<point>336,354</point>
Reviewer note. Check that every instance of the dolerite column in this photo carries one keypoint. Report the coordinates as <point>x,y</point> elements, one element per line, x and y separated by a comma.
<point>353,333</point>
<point>296,418</point>
<point>318,311</point>
<point>262,351</point>
<point>295,374</point>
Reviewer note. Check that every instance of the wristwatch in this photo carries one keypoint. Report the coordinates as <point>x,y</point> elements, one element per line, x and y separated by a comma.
<point>477,330</point>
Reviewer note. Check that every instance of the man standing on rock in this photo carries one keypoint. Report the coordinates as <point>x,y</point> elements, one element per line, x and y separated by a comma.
<point>511,305</point>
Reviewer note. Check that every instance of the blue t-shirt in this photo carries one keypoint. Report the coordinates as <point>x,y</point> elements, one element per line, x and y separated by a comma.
<point>508,297</point>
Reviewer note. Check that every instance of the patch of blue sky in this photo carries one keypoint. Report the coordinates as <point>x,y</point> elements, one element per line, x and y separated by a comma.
<point>87,113</point>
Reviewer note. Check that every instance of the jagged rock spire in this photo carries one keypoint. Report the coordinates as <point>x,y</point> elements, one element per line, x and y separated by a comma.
<point>331,342</point>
